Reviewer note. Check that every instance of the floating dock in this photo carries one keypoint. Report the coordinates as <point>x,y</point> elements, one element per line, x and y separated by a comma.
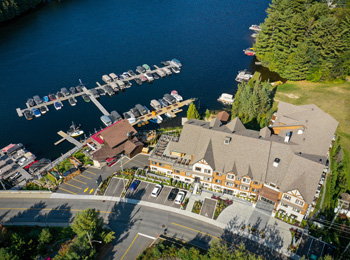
<point>171,110</point>
<point>88,92</point>
<point>69,139</point>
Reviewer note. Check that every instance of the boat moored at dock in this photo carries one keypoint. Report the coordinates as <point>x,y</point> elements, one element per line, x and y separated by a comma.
<point>28,114</point>
<point>244,75</point>
<point>58,105</point>
<point>30,102</point>
<point>37,100</point>
<point>106,120</point>
<point>86,98</point>
<point>255,27</point>
<point>43,109</point>
<point>149,77</point>
<point>226,99</point>
<point>74,130</point>
<point>72,101</point>
<point>249,52</point>
<point>36,112</point>
<point>155,104</point>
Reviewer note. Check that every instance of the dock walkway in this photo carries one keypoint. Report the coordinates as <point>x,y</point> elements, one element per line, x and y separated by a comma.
<point>97,104</point>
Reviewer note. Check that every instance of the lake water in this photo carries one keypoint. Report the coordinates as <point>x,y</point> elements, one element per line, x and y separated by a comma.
<point>62,42</point>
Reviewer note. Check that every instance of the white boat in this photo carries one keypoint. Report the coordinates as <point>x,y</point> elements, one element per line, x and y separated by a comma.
<point>168,115</point>
<point>155,104</point>
<point>226,99</point>
<point>255,27</point>
<point>106,120</point>
<point>254,35</point>
<point>75,131</point>
<point>160,119</point>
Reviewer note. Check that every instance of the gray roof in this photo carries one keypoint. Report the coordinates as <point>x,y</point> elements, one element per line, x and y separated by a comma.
<point>252,153</point>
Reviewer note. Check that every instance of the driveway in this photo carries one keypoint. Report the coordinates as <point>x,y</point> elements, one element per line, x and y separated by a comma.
<point>208,208</point>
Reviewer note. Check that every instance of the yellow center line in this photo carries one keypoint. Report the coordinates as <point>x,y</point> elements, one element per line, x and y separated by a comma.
<point>69,191</point>
<point>79,181</point>
<point>214,237</point>
<point>73,185</point>
<point>90,172</point>
<point>84,177</point>
<point>129,246</point>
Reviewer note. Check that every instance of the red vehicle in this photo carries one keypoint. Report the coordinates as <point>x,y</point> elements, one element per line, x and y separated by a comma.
<point>249,52</point>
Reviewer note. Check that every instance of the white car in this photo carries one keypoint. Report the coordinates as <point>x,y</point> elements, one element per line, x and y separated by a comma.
<point>21,161</point>
<point>180,197</point>
<point>156,190</point>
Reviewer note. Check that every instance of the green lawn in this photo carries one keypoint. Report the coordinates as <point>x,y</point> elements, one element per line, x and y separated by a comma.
<point>334,99</point>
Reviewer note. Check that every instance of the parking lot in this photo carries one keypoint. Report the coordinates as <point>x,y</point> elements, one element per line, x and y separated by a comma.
<point>142,192</point>
<point>208,208</point>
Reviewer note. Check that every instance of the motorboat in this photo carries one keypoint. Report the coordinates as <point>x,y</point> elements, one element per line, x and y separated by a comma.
<point>249,52</point>
<point>254,35</point>
<point>176,96</point>
<point>59,95</point>
<point>30,102</point>
<point>74,130</point>
<point>138,81</point>
<point>155,104</point>
<point>175,70</point>
<point>52,97</point>
<point>72,101</point>
<point>36,112</point>
<point>79,89</point>
<point>149,77</point>
<point>37,100</point>
<point>65,92</point>
<point>43,109</point>
<point>226,99</point>
<point>135,112</point>
<point>170,99</point>
<point>163,102</point>
<point>130,117</point>
<point>155,75</point>
<point>101,91</point>
<point>125,75</point>
<point>106,79</point>
<point>167,71</point>
<point>143,78</point>
<point>141,109</point>
<point>94,93</point>
<point>131,73</point>
<point>114,86</point>
<point>166,63</point>
<point>140,69</point>
<point>127,83</point>
<point>147,110</point>
<point>255,27</point>
<point>109,90</point>
<point>161,73</point>
<point>86,98</point>
<point>243,75</point>
<point>46,99</point>
<point>113,76</point>
<point>115,116</point>
<point>28,114</point>
<point>106,120</point>
<point>168,115</point>
<point>121,84</point>
<point>146,67</point>
<point>72,90</point>
<point>58,105</point>
<point>176,62</point>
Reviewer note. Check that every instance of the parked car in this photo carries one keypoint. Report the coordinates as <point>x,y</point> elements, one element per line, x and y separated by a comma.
<point>180,197</point>
<point>173,193</point>
<point>134,185</point>
<point>157,189</point>
<point>15,176</point>
<point>21,160</point>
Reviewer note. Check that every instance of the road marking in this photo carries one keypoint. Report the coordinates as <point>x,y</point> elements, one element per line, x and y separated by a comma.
<point>86,189</point>
<point>90,172</point>
<point>73,185</point>
<point>214,237</point>
<point>78,210</point>
<point>79,181</point>
<point>146,236</point>
<point>84,177</point>
<point>69,191</point>
<point>91,190</point>
<point>129,246</point>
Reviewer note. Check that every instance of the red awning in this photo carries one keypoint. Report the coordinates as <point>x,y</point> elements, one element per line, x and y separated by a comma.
<point>8,147</point>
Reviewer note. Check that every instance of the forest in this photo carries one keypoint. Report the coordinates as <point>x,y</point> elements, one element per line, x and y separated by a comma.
<point>11,8</point>
<point>305,40</point>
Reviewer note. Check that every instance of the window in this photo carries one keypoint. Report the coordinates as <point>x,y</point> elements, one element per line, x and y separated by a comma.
<point>299,202</point>
<point>161,164</point>
<point>230,184</point>
<point>244,188</point>
<point>206,185</point>
<point>256,183</point>
<point>238,178</point>
<point>207,171</point>
<point>246,180</point>
<point>296,210</point>
<point>272,185</point>
<point>230,176</point>
<point>188,180</point>
<point>284,205</point>
<point>188,174</point>
<point>236,186</point>
<point>218,181</point>
<point>154,169</point>
<point>198,169</point>
<point>207,179</point>
<point>286,197</point>
<point>218,174</point>
<point>176,171</point>
<point>176,177</point>
<point>254,190</point>
<point>155,163</point>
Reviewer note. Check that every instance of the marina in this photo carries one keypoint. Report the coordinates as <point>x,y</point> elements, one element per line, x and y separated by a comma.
<point>113,84</point>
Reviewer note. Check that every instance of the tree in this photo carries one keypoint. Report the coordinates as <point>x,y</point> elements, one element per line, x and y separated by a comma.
<point>45,236</point>
<point>6,254</point>
<point>207,113</point>
<point>192,112</point>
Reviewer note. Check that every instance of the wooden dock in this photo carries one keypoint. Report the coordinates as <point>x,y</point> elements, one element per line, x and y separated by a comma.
<point>95,101</point>
<point>69,139</point>
<point>172,110</point>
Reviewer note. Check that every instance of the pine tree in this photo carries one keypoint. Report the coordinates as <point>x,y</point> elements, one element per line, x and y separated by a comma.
<point>192,112</point>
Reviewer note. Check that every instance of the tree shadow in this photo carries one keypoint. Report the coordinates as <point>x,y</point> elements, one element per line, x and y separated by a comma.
<point>3,216</point>
<point>236,233</point>
<point>123,218</point>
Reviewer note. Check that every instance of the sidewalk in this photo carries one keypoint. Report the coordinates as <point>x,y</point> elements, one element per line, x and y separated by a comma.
<point>194,197</point>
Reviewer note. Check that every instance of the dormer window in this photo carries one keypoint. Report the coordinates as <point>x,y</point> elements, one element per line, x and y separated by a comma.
<point>227,140</point>
<point>288,136</point>
<point>276,162</point>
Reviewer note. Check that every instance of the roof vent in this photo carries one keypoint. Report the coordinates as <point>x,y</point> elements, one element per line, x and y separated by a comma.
<point>276,162</point>
<point>227,140</point>
<point>288,136</point>
<point>300,131</point>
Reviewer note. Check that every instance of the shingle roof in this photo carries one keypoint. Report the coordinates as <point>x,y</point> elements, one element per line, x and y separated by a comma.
<point>252,153</point>
<point>223,116</point>
<point>215,122</point>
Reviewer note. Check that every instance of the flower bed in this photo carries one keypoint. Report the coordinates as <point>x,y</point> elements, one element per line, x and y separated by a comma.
<point>220,205</point>
<point>197,206</point>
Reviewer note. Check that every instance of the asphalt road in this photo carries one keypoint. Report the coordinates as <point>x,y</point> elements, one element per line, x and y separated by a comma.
<point>128,221</point>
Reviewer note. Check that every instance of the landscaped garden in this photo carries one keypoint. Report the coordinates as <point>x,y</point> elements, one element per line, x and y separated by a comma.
<point>220,205</point>
<point>197,206</point>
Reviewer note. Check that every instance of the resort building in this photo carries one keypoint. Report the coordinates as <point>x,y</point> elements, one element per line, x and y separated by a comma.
<point>112,142</point>
<point>277,168</point>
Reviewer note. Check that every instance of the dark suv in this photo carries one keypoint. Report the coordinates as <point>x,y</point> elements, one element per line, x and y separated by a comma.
<point>172,194</point>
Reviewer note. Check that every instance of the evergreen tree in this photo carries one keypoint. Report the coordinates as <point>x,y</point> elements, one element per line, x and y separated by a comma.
<point>192,112</point>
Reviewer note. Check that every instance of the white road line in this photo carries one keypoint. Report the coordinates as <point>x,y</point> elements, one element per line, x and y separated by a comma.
<point>146,236</point>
